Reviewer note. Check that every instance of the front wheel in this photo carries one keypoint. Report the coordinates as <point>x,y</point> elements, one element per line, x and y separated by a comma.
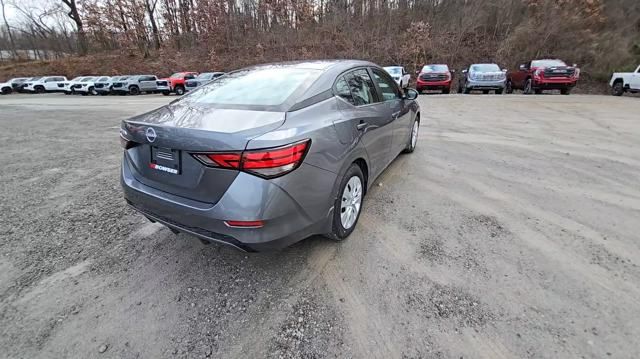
<point>413,138</point>
<point>618,89</point>
<point>499,92</point>
<point>565,91</point>
<point>528,87</point>
<point>166,93</point>
<point>179,90</point>
<point>39,89</point>
<point>92,91</point>
<point>348,203</point>
<point>134,90</point>
<point>6,90</point>
<point>485,92</point>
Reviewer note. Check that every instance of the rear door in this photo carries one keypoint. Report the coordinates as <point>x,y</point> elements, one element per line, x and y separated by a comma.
<point>148,83</point>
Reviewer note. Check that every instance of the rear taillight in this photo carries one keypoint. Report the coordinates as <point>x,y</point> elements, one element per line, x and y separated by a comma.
<point>268,163</point>
<point>124,142</point>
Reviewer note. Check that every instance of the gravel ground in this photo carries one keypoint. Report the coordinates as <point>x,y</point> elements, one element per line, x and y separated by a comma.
<point>512,231</point>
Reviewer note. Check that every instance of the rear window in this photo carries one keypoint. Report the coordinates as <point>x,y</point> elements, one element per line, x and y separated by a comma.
<point>256,87</point>
<point>435,68</point>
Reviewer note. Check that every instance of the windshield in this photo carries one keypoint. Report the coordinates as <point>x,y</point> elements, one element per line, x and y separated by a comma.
<point>547,63</point>
<point>18,80</point>
<point>35,78</point>
<point>394,70</point>
<point>205,75</point>
<point>485,68</point>
<point>435,68</point>
<point>104,78</point>
<point>87,79</point>
<point>178,75</point>
<point>77,78</point>
<point>269,87</point>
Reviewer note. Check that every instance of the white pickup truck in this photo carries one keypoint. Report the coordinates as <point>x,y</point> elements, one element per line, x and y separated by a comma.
<point>622,82</point>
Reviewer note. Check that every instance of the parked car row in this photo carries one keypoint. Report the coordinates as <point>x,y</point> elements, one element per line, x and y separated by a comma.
<point>531,77</point>
<point>178,83</point>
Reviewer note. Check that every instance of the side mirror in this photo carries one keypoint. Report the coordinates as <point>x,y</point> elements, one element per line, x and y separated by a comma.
<point>464,71</point>
<point>523,67</point>
<point>452,71</point>
<point>417,72</point>
<point>505,70</point>
<point>575,65</point>
<point>411,94</point>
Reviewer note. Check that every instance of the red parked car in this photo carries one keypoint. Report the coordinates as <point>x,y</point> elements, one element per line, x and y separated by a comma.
<point>538,75</point>
<point>434,77</point>
<point>177,82</point>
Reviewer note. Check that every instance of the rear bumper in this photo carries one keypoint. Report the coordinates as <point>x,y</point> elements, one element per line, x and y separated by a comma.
<point>286,220</point>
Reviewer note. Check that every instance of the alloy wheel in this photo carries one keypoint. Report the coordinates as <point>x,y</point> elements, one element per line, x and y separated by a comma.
<point>351,202</point>
<point>414,134</point>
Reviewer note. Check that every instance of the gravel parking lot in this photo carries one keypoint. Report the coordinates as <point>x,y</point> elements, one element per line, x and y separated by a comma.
<point>512,231</point>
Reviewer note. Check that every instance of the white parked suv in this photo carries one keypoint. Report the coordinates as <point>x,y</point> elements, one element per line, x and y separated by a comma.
<point>5,88</point>
<point>69,84</point>
<point>86,86</point>
<point>400,75</point>
<point>46,84</point>
<point>622,82</point>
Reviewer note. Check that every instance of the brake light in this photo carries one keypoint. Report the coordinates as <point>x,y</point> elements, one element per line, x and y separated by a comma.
<point>268,163</point>
<point>125,143</point>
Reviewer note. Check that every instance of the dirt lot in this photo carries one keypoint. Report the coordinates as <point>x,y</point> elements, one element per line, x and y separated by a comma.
<point>512,231</point>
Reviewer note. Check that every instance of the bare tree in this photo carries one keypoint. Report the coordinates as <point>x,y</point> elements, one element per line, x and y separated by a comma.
<point>9,33</point>
<point>75,16</point>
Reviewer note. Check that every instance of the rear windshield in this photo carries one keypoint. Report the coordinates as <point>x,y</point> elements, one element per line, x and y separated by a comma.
<point>435,68</point>
<point>254,87</point>
<point>547,63</point>
<point>485,68</point>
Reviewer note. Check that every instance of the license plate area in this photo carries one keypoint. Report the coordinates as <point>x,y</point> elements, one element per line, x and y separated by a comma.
<point>166,160</point>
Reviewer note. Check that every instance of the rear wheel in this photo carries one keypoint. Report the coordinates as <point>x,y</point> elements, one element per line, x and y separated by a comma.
<point>618,89</point>
<point>6,90</point>
<point>348,203</point>
<point>134,90</point>
<point>92,91</point>
<point>39,89</point>
<point>509,87</point>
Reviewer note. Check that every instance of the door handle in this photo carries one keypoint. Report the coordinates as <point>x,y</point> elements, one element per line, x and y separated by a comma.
<point>395,115</point>
<point>362,125</point>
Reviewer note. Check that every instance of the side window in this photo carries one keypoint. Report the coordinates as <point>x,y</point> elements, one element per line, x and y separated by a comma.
<point>342,90</point>
<point>189,77</point>
<point>49,79</point>
<point>388,87</point>
<point>361,87</point>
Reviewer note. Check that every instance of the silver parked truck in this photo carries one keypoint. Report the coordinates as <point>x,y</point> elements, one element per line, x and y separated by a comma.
<point>138,84</point>
<point>262,169</point>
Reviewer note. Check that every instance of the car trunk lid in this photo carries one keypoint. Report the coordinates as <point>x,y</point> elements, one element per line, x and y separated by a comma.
<point>166,139</point>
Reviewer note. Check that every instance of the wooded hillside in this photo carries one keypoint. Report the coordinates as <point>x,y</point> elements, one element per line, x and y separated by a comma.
<point>161,36</point>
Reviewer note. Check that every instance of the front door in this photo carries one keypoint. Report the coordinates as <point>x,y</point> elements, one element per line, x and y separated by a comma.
<point>391,97</point>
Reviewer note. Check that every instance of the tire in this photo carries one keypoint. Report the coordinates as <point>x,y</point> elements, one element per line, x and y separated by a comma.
<point>166,93</point>
<point>485,92</point>
<point>134,90</point>
<point>499,92</point>
<point>413,136</point>
<point>459,89</point>
<point>466,90</point>
<point>617,89</point>
<point>509,87</point>
<point>92,91</point>
<point>179,90</point>
<point>565,91</point>
<point>528,87</point>
<point>67,92</point>
<point>351,192</point>
<point>39,89</point>
<point>537,91</point>
<point>6,90</point>
<point>446,91</point>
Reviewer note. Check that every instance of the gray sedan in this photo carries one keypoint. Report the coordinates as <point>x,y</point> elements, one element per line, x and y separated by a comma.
<point>265,168</point>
